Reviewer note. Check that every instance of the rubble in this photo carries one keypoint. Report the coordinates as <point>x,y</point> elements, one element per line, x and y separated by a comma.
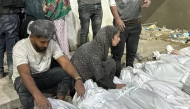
<point>151,32</point>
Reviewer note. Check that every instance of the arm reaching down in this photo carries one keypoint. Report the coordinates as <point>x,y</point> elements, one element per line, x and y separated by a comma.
<point>69,68</point>
<point>119,23</point>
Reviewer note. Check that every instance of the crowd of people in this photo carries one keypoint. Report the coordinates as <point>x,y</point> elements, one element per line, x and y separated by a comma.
<point>37,46</point>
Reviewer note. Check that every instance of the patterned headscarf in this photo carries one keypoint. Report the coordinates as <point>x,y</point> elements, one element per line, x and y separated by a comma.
<point>57,9</point>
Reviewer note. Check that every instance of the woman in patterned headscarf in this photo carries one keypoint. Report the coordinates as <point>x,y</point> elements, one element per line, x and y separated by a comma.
<point>56,10</point>
<point>91,59</point>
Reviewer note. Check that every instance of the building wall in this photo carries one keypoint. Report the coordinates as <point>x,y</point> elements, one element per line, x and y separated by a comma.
<point>170,13</point>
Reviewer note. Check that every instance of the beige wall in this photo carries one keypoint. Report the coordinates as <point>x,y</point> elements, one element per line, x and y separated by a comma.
<point>171,13</point>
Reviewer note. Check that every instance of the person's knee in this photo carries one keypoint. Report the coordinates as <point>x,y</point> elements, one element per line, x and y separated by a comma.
<point>27,102</point>
<point>60,72</point>
<point>19,86</point>
<point>25,97</point>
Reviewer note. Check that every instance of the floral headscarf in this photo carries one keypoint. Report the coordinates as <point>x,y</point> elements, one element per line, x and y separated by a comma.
<point>57,9</point>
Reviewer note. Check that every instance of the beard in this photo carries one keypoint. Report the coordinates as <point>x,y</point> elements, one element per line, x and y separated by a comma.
<point>38,49</point>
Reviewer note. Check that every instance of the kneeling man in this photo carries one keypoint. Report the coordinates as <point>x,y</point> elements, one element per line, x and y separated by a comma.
<point>32,58</point>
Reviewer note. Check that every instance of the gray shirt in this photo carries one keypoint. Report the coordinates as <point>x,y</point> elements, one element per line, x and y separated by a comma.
<point>88,2</point>
<point>128,9</point>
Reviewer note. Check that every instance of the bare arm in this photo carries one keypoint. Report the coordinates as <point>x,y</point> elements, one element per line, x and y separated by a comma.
<point>29,83</point>
<point>69,68</point>
<point>119,22</point>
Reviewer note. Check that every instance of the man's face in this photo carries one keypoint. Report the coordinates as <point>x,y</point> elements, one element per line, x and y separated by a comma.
<point>39,44</point>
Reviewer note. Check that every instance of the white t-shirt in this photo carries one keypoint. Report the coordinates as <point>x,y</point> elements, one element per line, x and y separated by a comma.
<point>24,53</point>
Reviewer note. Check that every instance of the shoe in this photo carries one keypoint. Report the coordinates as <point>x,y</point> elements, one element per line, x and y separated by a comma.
<point>122,65</point>
<point>1,76</point>
<point>139,57</point>
<point>10,81</point>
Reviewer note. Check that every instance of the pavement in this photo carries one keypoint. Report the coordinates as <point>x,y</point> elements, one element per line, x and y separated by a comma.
<point>9,98</point>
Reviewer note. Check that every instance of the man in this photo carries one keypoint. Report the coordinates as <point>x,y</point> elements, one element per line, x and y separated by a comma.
<point>127,17</point>
<point>31,67</point>
<point>9,29</point>
<point>89,10</point>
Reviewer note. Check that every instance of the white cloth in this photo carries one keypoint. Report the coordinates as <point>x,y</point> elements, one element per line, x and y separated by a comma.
<point>59,104</point>
<point>97,98</point>
<point>156,54</point>
<point>137,98</point>
<point>28,31</point>
<point>172,94</point>
<point>24,53</point>
<point>136,76</point>
<point>112,3</point>
<point>169,72</point>
<point>186,85</point>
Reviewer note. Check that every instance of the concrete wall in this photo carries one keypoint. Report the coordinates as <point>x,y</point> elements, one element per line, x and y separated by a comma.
<point>171,13</point>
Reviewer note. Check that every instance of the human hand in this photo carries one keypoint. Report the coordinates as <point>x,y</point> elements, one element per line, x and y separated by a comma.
<point>45,8</point>
<point>146,3</point>
<point>42,102</point>
<point>119,86</point>
<point>120,24</point>
<point>79,87</point>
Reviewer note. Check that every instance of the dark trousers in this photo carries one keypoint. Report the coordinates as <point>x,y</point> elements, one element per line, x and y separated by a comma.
<point>9,35</point>
<point>130,37</point>
<point>54,77</point>
<point>87,13</point>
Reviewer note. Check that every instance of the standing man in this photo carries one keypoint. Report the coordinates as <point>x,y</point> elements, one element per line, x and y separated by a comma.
<point>9,35</point>
<point>32,58</point>
<point>127,17</point>
<point>89,10</point>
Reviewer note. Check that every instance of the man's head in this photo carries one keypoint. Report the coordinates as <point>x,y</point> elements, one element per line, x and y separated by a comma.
<point>42,31</point>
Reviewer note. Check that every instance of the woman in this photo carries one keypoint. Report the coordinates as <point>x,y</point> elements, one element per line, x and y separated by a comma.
<point>91,59</point>
<point>56,10</point>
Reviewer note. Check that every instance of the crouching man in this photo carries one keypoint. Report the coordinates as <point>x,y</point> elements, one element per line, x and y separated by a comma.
<point>32,58</point>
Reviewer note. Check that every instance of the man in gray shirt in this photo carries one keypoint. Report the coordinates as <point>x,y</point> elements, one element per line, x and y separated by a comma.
<point>89,10</point>
<point>127,17</point>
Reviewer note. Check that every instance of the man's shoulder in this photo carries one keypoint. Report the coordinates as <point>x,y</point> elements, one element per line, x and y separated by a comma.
<point>21,44</point>
<point>52,42</point>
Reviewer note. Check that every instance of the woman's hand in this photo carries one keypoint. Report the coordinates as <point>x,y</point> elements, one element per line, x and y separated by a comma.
<point>119,86</point>
<point>79,87</point>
